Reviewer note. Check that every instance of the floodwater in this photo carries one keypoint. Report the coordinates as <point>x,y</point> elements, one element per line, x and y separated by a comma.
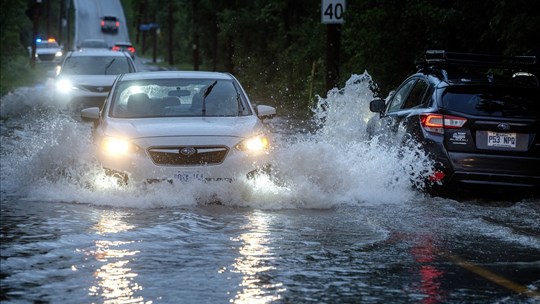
<point>343,224</point>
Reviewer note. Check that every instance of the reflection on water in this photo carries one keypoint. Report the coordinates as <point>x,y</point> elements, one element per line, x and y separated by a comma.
<point>254,263</point>
<point>115,279</point>
<point>431,276</point>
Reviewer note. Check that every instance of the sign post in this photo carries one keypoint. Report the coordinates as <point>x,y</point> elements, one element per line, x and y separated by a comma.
<point>332,12</point>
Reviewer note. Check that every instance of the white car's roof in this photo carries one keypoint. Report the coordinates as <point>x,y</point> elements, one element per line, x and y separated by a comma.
<point>97,52</point>
<point>176,74</point>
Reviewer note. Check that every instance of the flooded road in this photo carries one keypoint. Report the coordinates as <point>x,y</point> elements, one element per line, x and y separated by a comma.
<point>343,225</point>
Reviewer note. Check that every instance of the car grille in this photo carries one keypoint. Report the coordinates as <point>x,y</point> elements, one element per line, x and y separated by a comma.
<point>96,89</point>
<point>46,57</point>
<point>188,155</point>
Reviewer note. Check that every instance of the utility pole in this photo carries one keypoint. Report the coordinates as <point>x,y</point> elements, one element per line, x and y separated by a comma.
<point>154,40</point>
<point>195,45</point>
<point>34,12</point>
<point>48,18</point>
<point>333,46</point>
<point>171,27</point>
<point>332,15</point>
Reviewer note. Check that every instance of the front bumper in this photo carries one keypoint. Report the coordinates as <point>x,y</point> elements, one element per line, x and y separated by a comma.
<point>139,166</point>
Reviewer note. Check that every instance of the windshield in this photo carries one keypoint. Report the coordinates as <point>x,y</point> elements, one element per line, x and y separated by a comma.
<point>177,98</point>
<point>493,101</point>
<point>96,65</point>
<point>47,45</point>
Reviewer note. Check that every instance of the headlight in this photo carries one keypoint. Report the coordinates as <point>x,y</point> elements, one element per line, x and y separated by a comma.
<point>58,54</point>
<point>256,144</point>
<point>63,86</point>
<point>117,146</point>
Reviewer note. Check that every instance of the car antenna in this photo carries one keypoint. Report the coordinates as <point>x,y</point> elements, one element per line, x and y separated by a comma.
<point>206,93</point>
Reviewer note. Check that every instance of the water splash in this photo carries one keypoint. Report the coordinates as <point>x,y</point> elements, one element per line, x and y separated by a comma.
<point>48,155</point>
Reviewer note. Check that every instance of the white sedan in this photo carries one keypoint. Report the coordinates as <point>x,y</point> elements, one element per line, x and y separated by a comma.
<point>180,126</point>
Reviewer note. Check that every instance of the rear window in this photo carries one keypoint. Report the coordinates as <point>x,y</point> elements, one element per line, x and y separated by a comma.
<point>493,101</point>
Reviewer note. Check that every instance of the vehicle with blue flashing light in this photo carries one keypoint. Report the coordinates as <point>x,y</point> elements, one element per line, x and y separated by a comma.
<point>47,51</point>
<point>177,126</point>
<point>477,116</point>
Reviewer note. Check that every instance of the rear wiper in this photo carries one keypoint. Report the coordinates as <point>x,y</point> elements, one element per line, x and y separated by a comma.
<point>206,93</point>
<point>109,65</point>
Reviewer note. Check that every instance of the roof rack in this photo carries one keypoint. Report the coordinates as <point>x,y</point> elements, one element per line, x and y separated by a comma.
<point>445,58</point>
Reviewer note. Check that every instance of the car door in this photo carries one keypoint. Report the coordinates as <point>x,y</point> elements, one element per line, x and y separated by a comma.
<point>410,95</point>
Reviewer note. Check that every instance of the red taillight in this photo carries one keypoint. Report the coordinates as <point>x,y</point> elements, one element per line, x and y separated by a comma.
<point>437,176</point>
<point>102,23</point>
<point>437,122</point>
<point>116,48</point>
<point>117,24</point>
<point>131,49</point>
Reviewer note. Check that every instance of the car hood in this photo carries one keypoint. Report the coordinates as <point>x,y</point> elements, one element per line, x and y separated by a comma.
<point>47,51</point>
<point>243,126</point>
<point>95,80</point>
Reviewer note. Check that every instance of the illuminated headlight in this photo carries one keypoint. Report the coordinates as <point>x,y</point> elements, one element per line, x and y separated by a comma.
<point>58,54</point>
<point>63,86</point>
<point>256,144</point>
<point>114,146</point>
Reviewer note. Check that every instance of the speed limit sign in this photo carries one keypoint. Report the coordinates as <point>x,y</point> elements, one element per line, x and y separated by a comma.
<point>332,11</point>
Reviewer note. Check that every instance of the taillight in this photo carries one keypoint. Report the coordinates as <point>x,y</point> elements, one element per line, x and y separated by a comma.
<point>117,24</point>
<point>437,122</point>
<point>437,176</point>
<point>102,23</point>
<point>116,48</point>
<point>131,49</point>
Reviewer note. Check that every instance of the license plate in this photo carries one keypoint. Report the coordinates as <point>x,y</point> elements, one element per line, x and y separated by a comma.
<point>188,176</point>
<point>504,140</point>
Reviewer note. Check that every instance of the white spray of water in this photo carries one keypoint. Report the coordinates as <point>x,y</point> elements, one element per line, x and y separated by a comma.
<point>48,155</point>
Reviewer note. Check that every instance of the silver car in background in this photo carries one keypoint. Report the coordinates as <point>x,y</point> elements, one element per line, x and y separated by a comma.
<point>86,77</point>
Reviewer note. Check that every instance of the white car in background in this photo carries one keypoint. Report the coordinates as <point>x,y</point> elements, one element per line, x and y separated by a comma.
<point>180,126</point>
<point>47,51</point>
<point>86,77</point>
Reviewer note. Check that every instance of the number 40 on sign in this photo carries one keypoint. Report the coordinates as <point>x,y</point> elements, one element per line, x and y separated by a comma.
<point>332,11</point>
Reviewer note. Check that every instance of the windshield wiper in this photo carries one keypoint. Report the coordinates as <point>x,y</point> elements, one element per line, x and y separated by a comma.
<point>109,65</point>
<point>241,107</point>
<point>206,93</point>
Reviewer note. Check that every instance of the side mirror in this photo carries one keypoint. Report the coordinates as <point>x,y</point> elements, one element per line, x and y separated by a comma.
<point>265,111</point>
<point>377,105</point>
<point>90,114</point>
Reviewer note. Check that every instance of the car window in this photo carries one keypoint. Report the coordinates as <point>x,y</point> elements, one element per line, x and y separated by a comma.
<point>400,95</point>
<point>177,98</point>
<point>417,95</point>
<point>47,45</point>
<point>493,101</point>
<point>93,44</point>
<point>96,65</point>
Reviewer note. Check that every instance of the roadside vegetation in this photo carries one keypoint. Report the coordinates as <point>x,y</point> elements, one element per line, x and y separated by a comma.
<point>277,49</point>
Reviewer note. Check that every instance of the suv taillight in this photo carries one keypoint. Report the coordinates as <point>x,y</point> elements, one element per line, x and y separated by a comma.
<point>116,48</point>
<point>437,122</point>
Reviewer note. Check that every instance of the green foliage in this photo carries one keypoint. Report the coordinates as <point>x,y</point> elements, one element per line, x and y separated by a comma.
<point>277,48</point>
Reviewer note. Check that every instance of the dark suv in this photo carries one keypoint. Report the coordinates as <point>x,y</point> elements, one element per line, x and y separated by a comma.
<point>477,116</point>
<point>110,24</point>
